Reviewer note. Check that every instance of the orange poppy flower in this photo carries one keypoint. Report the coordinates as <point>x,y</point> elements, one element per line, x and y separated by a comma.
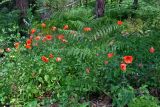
<point>33,31</point>
<point>28,41</point>
<point>66,27</point>
<point>16,45</point>
<point>44,59</point>
<point>28,46</point>
<point>58,59</point>
<point>53,28</point>
<point>110,55</point>
<point>123,67</point>
<point>37,38</point>
<point>51,56</point>
<point>48,37</point>
<point>87,29</point>
<point>60,37</point>
<point>43,25</point>
<point>119,22</point>
<point>151,50</point>
<point>128,59</point>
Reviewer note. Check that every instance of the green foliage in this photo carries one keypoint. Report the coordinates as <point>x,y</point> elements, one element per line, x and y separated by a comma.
<point>144,101</point>
<point>85,66</point>
<point>8,28</point>
<point>122,96</point>
<point>4,1</point>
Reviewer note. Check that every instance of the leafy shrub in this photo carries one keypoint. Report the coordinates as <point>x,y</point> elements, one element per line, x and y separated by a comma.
<point>122,96</point>
<point>8,28</point>
<point>74,55</point>
<point>144,101</point>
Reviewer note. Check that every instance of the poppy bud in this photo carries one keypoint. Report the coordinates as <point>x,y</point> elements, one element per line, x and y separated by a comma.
<point>151,50</point>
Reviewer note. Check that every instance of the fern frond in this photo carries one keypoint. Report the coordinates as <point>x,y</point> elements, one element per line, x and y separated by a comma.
<point>105,30</point>
<point>79,53</point>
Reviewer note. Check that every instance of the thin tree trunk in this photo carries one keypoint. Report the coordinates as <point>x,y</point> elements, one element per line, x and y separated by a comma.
<point>100,8</point>
<point>22,5</point>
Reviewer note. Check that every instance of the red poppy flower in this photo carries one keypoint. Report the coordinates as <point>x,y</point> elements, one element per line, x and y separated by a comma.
<point>8,49</point>
<point>66,27</point>
<point>51,56</point>
<point>37,38</point>
<point>16,45</point>
<point>110,55</point>
<point>58,59</point>
<point>128,59</point>
<point>87,29</point>
<point>48,37</point>
<point>54,28</point>
<point>151,50</point>
<point>44,59</point>
<point>33,31</point>
<point>28,41</point>
<point>43,25</point>
<point>28,46</point>
<point>119,22</point>
<point>88,70</point>
<point>123,67</point>
<point>60,37</point>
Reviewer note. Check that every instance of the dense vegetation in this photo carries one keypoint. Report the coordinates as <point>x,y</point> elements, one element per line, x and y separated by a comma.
<point>73,58</point>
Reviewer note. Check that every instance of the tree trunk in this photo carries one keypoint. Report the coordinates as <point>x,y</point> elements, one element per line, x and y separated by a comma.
<point>22,6</point>
<point>100,7</point>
